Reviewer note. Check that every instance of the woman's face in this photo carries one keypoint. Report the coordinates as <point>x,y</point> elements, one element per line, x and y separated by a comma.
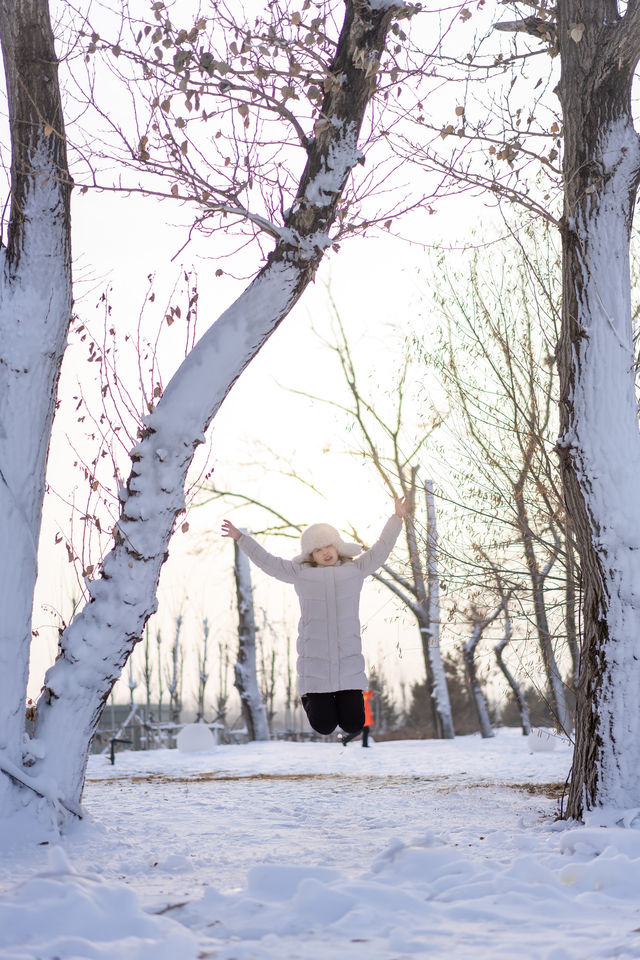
<point>325,556</point>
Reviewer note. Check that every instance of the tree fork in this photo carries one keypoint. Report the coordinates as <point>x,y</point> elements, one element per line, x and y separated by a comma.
<point>115,616</point>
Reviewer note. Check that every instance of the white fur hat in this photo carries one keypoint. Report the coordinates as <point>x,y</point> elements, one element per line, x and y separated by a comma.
<point>324,535</point>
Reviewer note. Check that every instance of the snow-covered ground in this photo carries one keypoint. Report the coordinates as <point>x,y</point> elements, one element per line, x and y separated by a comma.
<point>277,851</point>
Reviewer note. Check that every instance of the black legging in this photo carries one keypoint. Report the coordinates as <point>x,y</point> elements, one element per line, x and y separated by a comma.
<point>326,711</point>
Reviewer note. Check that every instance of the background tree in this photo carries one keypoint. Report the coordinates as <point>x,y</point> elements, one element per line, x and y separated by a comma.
<point>419,720</point>
<point>383,705</point>
<point>222,698</point>
<point>494,362</point>
<point>246,669</point>
<point>478,622</point>
<point>174,671</point>
<point>590,197</point>
<point>387,443</point>
<point>499,648</point>
<point>203,668</point>
<point>418,587</point>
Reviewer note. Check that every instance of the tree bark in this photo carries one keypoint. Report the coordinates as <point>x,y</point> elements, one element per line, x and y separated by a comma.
<point>599,441</point>
<point>557,695</point>
<point>253,709</point>
<point>35,310</point>
<point>439,689</point>
<point>499,649</point>
<point>436,681</point>
<point>475,690</point>
<point>96,645</point>
<point>570,604</point>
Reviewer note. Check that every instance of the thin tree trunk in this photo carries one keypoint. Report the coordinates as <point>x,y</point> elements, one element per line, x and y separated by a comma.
<point>473,683</point>
<point>223,682</point>
<point>203,676</point>
<point>420,592</point>
<point>439,689</point>
<point>174,680</point>
<point>436,681</point>
<point>556,684</point>
<point>246,672</point>
<point>499,649</point>
<point>160,687</point>
<point>148,672</point>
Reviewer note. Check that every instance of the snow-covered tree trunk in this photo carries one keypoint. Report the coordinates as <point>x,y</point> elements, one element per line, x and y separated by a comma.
<point>600,442</point>
<point>439,689</point>
<point>246,671</point>
<point>423,599</point>
<point>174,674</point>
<point>101,637</point>
<point>35,310</point>
<point>203,675</point>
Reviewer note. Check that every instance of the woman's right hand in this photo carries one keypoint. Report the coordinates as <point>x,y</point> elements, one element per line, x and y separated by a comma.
<point>228,530</point>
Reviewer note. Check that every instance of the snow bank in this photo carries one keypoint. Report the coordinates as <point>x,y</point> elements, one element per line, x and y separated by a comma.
<point>426,898</point>
<point>284,851</point>
<point>542,740</point>
<point>60,914</point>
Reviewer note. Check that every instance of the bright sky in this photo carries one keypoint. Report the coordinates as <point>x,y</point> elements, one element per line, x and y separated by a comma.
<point>311,437</point>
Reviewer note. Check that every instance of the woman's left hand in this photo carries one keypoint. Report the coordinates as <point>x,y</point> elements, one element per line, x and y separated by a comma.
<point>402,508</point>
<point>228,530</point>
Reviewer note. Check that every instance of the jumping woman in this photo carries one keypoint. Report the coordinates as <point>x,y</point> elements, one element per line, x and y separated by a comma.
<point>328,576</point>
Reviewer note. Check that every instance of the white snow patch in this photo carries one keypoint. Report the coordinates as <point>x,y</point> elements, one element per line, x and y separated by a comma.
<point>276,851</point>
<point>61,914</point>
<point>541,740</point>
<point>195,737</point>
<point>343,154</point>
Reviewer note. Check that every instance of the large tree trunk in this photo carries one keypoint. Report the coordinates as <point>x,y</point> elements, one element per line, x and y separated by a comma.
<point>35,310</point>
<point>98,642</point>
<point>600,442</point>
<point>253,710</point>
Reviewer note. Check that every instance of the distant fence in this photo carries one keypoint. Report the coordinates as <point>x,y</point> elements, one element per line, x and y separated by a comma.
<point>149,728</point>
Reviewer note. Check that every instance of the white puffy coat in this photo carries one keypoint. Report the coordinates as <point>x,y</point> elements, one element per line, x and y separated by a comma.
<point>329,645</point>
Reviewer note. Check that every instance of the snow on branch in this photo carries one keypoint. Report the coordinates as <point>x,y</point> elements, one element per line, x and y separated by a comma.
<point>226,106</point>
<point>533,26</point>
<point>38,785</point>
